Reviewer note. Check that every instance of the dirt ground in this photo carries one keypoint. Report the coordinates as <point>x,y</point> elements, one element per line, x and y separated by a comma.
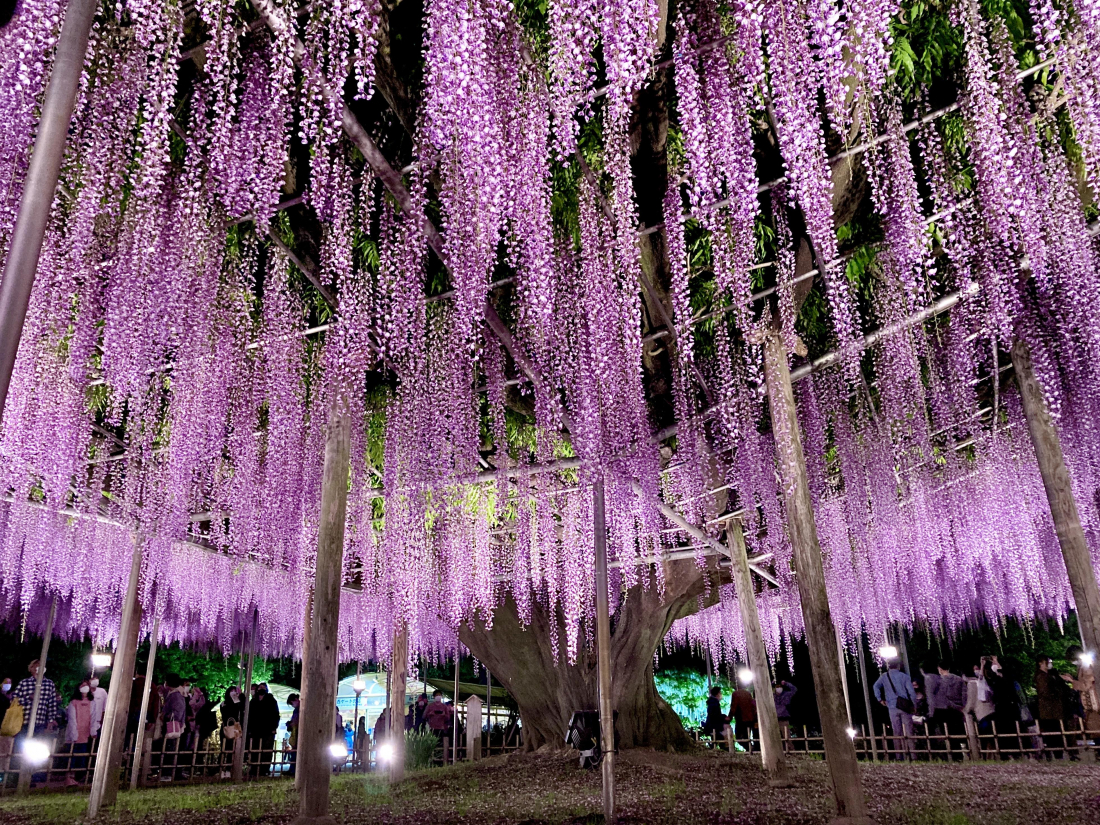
<point>549,789</point>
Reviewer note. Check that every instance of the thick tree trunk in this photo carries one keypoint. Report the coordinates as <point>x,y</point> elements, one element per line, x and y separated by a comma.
<point>548,689</point>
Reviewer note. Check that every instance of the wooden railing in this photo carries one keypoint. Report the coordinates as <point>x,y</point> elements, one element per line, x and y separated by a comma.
<point>994,744</point>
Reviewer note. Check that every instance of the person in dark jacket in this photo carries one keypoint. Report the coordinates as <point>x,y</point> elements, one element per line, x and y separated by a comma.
<point>263,718</point>
<point>174,718</point>
<point>743,716</point>
<point>1051,691</point>
<point>714,725</point>
<point>784,694</point>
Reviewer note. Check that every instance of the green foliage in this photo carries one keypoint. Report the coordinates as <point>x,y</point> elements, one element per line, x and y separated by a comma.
<point>212,672</point>
<point>686,693</point>
<point>419,749</point>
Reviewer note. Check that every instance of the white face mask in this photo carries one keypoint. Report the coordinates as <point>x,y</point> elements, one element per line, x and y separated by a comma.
<point>996,668</point>
<point>5,687</point>
<point>84,689</point>
<point>94,683</point>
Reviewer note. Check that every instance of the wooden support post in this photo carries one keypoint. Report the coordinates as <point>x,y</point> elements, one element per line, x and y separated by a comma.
<point>603,653</point>
<point>840,750</point>
<point>771,744</point>
<point>306,630</point>
<point>40,183</point>
<point>454,704</point>
<point>318,709</point>
<point>396,730</point>
<point>246,749</point>
<point>843,674</point>
<point>867,698</point>
<point>108,762</point>
<point>25,771</point>
<point>137,771</point>
<point>1063,507</point>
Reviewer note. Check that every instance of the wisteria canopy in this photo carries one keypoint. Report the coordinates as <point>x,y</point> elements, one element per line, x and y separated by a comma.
<point>528,244</point>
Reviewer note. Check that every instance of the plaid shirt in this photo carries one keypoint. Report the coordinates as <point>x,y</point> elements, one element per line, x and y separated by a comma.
<point>48,706</point>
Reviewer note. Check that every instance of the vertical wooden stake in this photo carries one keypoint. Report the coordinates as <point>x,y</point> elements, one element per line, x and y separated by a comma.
<point>139,742</point>
<point>1059,490</point>
<point>840,750</point>
<point>108,761</point>
<point>306,629</point>
<point>318,710</point>
<point>843,675</point>
<point>40,184</point>
<point>867,698</point>
<point>397,700</point>
<point>603,653</point>
<point>771,745</point>
<point>24,784</point>
<point>246,750</point>
<point>455,705</point>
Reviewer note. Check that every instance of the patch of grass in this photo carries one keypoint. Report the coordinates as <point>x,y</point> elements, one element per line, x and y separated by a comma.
<point>731,802</point>
<point>930,815</point>
<point>669,791</point>
<point>155,805</point>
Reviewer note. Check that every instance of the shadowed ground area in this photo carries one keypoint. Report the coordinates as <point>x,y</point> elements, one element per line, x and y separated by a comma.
<point>653,788</point>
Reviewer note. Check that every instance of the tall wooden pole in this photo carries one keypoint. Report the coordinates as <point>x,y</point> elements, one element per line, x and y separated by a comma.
<point>41,182</point>
<point>455,725</point>
<point>398,681</point>
<point>307,629</point>
<point>318,710</point>
<point>139,740</point>
<point>240,753</point>
<point>1063,507</point>
<point>108,762</point>
<point>867,697</point>
<point>771,744</point>
<point>24,784</point>
<point>843,675</point>
<point>840,750</point>
<point>603,653</point>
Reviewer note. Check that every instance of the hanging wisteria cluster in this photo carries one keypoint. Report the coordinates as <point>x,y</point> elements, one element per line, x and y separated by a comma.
<point>170,395</point>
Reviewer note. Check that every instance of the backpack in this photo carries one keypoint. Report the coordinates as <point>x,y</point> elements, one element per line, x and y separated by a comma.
<point>13,719</point>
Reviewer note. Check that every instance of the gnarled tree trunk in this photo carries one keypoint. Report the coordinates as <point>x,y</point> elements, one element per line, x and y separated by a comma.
<point>548,690</point>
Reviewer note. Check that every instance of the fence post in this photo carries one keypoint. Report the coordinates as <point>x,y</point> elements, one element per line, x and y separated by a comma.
<point>972,737</point>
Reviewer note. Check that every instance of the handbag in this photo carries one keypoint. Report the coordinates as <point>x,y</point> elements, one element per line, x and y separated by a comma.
<point>902,703</point>
<point>232,730</point>
<point>173,729</point>
<point>13,719</point>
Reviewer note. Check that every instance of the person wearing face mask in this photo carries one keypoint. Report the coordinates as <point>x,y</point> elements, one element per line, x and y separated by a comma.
<point>232,712</point>
<point>48,706</point>
<point>784,693</point>
<point>174,717</point>
<point>5,696</point>
<point>98,695</point>
<point>78,734</point>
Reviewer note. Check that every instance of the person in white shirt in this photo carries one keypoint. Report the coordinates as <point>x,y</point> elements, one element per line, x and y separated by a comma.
<point>99,704</point>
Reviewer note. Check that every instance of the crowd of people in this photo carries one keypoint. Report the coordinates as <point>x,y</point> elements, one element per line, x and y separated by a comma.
<point>990,706</point>
<point>179,726</point>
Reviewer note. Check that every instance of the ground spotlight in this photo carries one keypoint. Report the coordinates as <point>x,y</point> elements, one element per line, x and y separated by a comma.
<point>852,733</point>
<point>744,676</point>
<point>888,652</point>
<point>1087,658</point>
<point>338,750</point>
<point>36,751</point>
<point>385,752</point>
<point>101,660</point>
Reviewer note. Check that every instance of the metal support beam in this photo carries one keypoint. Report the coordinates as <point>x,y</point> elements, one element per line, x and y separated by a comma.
<point>41,183</point>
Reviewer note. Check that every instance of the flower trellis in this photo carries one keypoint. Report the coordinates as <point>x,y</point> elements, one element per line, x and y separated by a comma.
<point>229,246</point>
